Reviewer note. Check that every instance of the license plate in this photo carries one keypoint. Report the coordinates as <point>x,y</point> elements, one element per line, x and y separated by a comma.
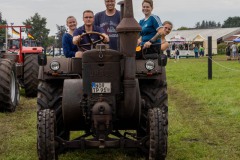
<point>101,87</point>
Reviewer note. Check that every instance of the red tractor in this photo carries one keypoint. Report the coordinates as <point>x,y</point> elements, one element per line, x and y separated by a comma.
<point>18,66</point>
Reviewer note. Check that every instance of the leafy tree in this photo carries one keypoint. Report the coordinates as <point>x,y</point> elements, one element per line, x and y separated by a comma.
<point>38,29</point>
<point>221,48</point>
<point>61,31</point>
<point>203,24</point>
<point>183,28</point>
<point>207,24</point>
<point>2,31</point>
<point>197,25</point>
<point>231,22</point>
<point>51,41</point>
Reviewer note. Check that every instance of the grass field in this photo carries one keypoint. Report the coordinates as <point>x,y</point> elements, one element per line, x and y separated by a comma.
<point>204,117</point>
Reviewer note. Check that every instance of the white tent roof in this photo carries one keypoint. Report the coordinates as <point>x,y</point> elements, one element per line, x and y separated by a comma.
<point>215,33</point>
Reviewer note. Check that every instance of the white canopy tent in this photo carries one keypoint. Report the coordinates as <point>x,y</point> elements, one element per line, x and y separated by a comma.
<point>218,35</point>
<point>182,43</point>
<point>177,38</point>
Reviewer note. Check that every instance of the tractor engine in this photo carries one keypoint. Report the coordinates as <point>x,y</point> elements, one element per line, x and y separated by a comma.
<point>101,86</point>
<point>91,103</point>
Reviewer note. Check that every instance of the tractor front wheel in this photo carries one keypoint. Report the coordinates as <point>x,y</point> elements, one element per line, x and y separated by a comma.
<point>46,134</point>
<point>158,135</point>
<point>50,97</point>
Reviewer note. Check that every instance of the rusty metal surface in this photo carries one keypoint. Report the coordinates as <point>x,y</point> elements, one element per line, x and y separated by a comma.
<point>129,112</point>
<point>93,143</point>
<point>12,56</point>
<point>65,65</point>
<point>128,22</point>
<point>121,3</point>
<point>72,111</point>
<point>102,120</point>
<point>76,65</point>
<point>105,55</point>
<point>68,66</point>
<point>128,30</point>
<point>19,69</point>
<point>101,68</point>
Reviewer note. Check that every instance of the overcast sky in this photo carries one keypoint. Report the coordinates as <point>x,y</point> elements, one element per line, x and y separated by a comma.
<point>181,12</point>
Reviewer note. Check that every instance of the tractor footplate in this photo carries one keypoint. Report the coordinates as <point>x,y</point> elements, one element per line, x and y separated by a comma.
<point>94,143</point>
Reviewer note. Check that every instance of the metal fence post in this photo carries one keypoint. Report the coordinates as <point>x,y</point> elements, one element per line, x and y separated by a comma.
<point>210,57</point>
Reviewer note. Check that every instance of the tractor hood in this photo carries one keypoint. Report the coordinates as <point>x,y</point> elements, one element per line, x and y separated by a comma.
<point>32,49</point>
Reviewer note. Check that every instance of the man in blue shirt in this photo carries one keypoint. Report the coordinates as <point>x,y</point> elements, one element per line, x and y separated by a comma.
<point>88,19</point>
<point>108,20</point>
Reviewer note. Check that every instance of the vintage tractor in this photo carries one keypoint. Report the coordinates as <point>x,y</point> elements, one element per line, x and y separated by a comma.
<point>18,65</point>
<point>118,101</point>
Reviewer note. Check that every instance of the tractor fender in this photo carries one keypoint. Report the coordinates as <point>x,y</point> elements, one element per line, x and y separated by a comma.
<point>68,67</point>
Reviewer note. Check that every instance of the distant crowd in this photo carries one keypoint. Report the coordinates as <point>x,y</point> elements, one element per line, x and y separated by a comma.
<point>232,51</point>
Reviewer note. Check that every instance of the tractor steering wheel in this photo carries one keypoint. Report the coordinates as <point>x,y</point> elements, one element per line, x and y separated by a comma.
<point>92,43</point>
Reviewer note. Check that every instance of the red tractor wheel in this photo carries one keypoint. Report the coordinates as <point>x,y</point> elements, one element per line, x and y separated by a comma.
<point>31,74</point>
<point>9,88</point>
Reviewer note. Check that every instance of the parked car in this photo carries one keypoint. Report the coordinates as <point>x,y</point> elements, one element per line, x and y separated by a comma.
<point>56,52</point>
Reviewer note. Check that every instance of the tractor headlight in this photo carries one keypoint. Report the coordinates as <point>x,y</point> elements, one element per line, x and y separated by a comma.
<point>55,65</point>
<point>149,65</point>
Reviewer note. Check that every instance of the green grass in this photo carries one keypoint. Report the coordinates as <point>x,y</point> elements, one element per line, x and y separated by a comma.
<point>204,114</point>
<point>18,132</point>
<point>204,117</point>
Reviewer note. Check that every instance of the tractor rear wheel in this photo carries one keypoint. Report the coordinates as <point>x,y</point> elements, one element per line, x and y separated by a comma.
<point>9,88</point>
<point>31,74</point>
<point>50,97</point>
<point>46,134</point>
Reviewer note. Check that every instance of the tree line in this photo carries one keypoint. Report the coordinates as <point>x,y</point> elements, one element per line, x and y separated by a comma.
<point>229,23</point>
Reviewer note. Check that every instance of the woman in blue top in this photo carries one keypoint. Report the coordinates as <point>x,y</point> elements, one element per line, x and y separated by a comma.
<point>69,49</point>
<point>151,27</point>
